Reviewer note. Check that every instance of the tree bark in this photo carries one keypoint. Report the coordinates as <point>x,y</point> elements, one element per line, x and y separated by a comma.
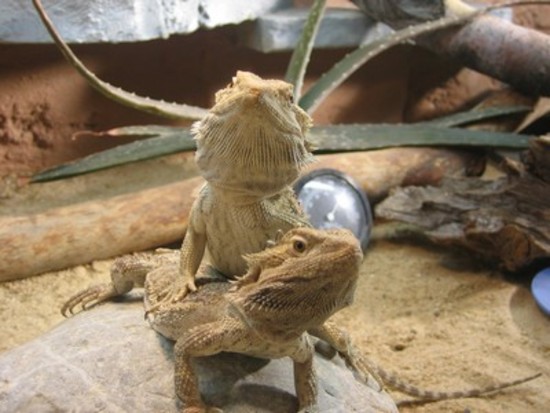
<point>506,221</point>
<point>513,54</point>
<point>80,233</point>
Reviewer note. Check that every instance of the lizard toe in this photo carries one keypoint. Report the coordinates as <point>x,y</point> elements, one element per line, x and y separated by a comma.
<point>87,298</point>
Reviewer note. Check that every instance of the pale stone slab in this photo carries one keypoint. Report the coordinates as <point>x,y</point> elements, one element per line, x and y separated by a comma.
<point>109,359</point>
<point>82,21</point>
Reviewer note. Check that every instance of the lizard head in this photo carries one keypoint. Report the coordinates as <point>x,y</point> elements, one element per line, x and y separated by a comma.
<point>305,278</point>
<point>254,138</point>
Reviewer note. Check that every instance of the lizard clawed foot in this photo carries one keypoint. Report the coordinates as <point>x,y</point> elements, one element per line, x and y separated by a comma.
<point>250,277</point>
<point>88,298</point>
<point>180,293</point>
<point>170,295</point>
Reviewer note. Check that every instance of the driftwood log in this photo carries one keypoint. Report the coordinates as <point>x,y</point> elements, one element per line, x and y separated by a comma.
<point>506,220</point>
<point>486,44</point>
<point>103,228</point>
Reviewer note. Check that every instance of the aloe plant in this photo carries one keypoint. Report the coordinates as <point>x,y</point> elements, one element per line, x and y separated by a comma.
<point>300,57</point>
<point>156,107</point>
<point>164,140</point>
<point>343,69</point>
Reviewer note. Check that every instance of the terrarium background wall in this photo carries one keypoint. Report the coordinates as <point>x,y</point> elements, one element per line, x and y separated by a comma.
<point>44,101</point>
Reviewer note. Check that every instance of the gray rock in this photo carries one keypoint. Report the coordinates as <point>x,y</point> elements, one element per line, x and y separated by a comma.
<point>109,359</point>
<point>82,21</point>
<point>403,13</point>
<point>281,29</point>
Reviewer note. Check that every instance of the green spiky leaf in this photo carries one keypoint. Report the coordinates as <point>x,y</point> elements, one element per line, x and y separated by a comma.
<point>476,115</point>
<point>327,139</point>
<point>350,63</point>
<point>347,138</point>
<point>165,141</point>
<point>156,107</point>
<point>300,57</point>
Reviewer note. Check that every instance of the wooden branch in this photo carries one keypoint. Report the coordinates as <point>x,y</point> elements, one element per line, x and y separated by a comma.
<point>379,171</point>
<point>506,221</point>
<point>104,228</point>
<point>488,44</point>
<point>78,234</point>
<point>513,54</point>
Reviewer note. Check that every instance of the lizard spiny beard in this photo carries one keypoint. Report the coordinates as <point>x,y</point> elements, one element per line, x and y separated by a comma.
<point>253,141</point>
<point>299,292</point>
<point>254,159</point>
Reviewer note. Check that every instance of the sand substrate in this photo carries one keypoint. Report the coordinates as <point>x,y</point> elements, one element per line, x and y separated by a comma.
<point>434,316</point>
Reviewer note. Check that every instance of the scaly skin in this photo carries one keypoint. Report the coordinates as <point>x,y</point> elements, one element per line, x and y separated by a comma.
<point>286,297</point>
<point>250,148</point>
<point>288,289</point>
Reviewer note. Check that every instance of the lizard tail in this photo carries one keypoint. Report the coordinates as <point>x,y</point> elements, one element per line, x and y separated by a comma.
<point>421,395</point>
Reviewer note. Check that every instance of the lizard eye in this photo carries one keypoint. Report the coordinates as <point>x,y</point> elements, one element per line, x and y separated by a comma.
<point>299,245</point>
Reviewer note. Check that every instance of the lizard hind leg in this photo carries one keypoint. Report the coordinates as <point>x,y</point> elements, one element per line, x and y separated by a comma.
<point>340,341</point>
<point>126,273</point>
<point>362,366</point>
<point>389,380</point>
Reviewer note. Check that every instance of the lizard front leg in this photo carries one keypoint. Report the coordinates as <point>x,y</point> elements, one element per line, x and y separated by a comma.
<point>305,381</point>
<point>203,340</point>
<point>192,252</point>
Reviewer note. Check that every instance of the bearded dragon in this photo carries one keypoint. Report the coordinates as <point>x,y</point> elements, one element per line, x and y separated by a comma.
<point>274,310</point>
<point>250,147</point>
<point>289,288</point>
